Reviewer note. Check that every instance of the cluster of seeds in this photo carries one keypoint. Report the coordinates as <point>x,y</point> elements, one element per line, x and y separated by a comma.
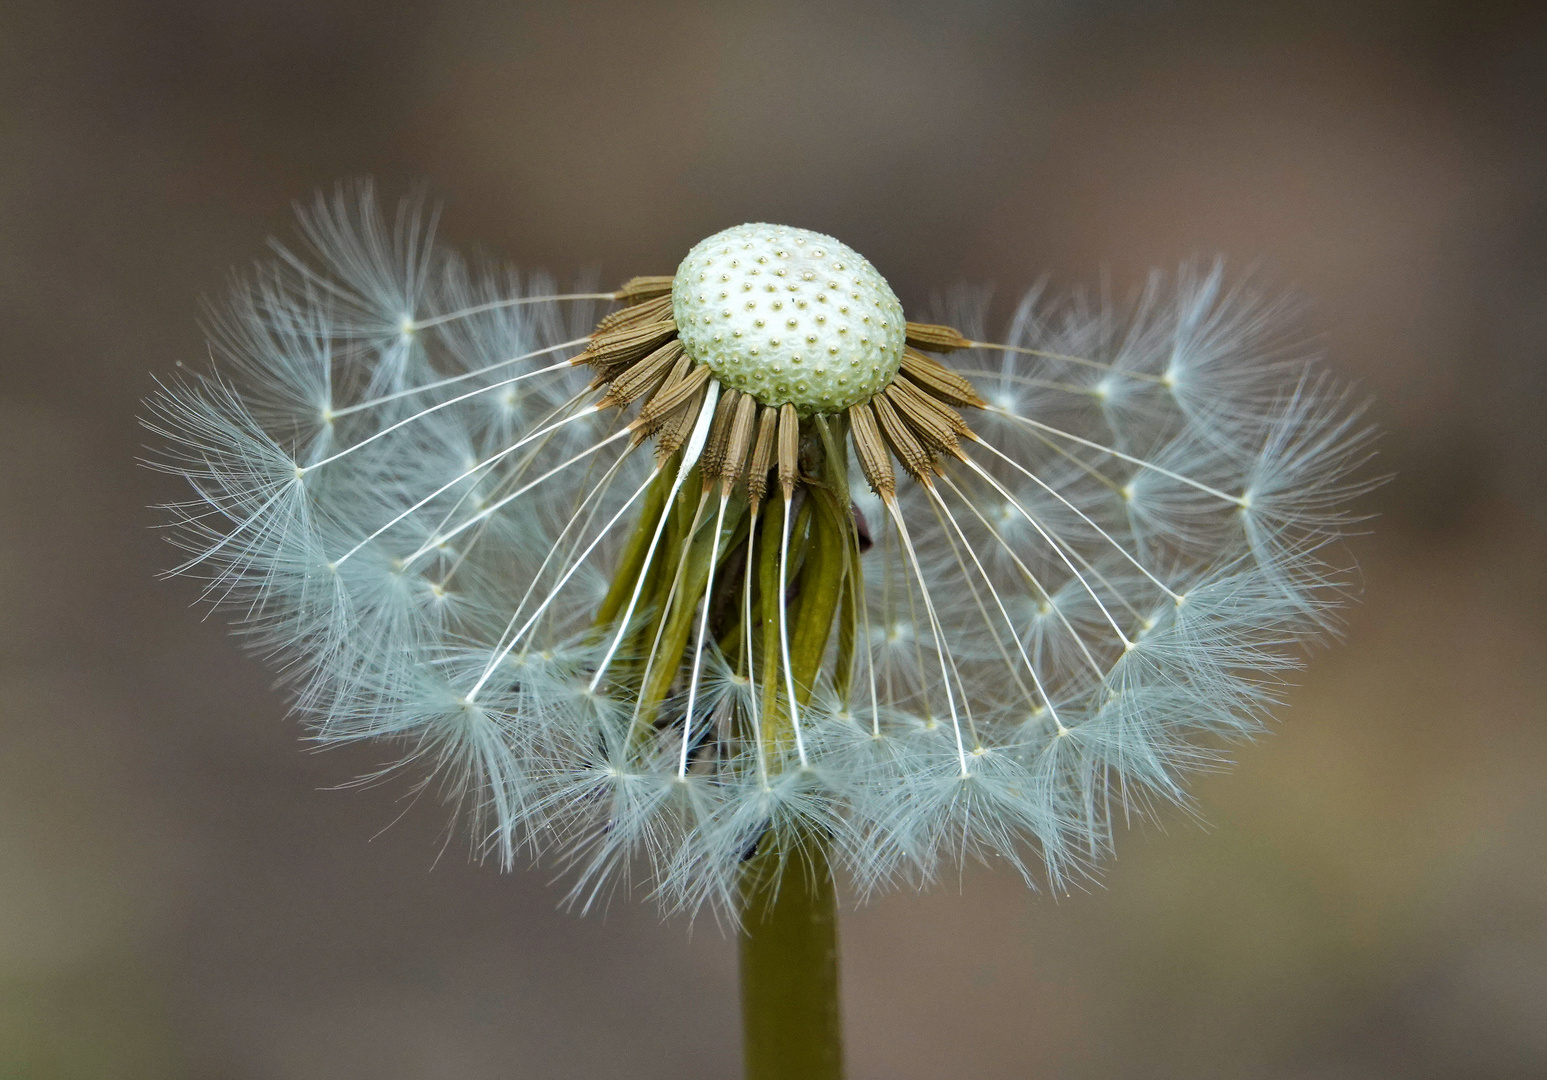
<point>425,487</point>
<point>906,406</point>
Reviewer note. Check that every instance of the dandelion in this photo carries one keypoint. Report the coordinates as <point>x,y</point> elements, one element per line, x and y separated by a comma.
<point>751,585</point>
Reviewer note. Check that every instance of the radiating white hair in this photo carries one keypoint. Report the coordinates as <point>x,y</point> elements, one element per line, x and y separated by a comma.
<point>408,495</point>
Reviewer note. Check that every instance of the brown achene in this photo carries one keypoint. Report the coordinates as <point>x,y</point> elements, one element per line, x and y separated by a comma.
<point>636,355</point>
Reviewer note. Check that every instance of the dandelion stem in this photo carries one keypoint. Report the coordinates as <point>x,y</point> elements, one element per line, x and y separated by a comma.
<point>789,964</point>
<point>631,563</point>
<point>821,589</point>
<point>674,619</point>
<point>689,459</point>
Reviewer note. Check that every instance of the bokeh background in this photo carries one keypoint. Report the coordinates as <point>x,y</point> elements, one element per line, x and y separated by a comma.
<point>184,895</point>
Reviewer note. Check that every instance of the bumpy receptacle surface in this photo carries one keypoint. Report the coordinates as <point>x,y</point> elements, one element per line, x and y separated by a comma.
<point>788,315</point>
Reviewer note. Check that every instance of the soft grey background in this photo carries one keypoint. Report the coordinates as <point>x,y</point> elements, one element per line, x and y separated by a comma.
<point>183,896</point>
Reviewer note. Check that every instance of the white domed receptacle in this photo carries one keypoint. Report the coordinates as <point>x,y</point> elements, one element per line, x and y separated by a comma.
<point>788,316</point>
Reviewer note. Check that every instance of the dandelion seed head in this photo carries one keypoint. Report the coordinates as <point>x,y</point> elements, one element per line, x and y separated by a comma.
<point>929,597</point>
<point>811,361</point>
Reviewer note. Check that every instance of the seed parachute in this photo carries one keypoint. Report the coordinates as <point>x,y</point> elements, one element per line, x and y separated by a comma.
<point>738,560</point>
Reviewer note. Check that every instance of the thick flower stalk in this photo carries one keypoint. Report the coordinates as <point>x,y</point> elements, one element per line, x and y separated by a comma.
<point>754,569</point>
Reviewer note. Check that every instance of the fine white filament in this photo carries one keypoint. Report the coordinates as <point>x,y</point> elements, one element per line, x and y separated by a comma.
<point>416,502</point>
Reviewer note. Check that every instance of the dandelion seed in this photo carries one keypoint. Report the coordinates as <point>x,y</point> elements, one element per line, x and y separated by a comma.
<point>660,594</point>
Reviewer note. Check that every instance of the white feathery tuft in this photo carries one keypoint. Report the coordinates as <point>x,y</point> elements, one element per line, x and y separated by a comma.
<point>404,494</point>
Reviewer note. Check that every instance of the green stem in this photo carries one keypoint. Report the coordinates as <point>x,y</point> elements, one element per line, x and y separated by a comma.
<point>690,575</point>
<point>789,910</point>
<point>632,562</point>
<point>821,586</point>
<point>770,595</point>
<point>789,965</point>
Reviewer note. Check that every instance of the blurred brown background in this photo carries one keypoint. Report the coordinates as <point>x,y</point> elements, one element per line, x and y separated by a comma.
<point>182,896</point>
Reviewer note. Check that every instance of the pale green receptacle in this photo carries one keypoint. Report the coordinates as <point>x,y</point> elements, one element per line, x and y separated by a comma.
<point>789,316</point>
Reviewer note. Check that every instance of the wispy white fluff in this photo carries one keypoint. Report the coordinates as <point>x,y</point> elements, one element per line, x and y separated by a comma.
<point>404,496</point>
